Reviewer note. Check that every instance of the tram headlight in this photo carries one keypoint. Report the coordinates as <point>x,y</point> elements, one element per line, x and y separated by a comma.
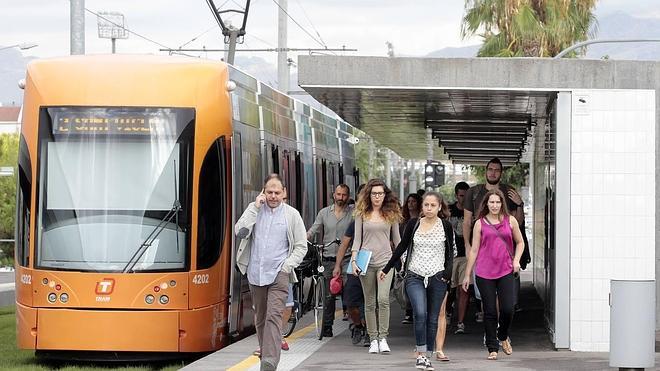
<point>172,283</point>
<point>52,297</point>
<point>45,281</point>
<point>164,299</point>
<point>149,299</point>
<point>64,298</point>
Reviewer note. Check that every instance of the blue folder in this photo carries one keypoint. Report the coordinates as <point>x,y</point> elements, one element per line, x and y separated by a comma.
<point>362,260</point>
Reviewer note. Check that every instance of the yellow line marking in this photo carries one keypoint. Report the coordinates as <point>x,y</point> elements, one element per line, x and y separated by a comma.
<point>253,360</point>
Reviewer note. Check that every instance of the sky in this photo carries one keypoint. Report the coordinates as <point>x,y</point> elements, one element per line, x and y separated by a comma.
<point>415,27</point>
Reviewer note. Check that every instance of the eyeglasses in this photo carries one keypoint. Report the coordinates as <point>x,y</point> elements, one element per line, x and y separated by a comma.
<point>377,194</point>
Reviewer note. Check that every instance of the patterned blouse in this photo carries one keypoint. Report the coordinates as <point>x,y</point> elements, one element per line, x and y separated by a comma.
<point>428,253</point>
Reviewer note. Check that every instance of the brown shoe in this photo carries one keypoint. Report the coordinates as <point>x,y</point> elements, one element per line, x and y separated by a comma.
<point>506,347</point>
<point>492,356</point>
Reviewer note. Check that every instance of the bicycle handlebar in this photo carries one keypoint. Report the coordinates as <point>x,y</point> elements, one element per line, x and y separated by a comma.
<point>323,245</point>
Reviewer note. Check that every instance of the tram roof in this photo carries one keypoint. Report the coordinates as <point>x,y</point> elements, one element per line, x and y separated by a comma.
<point>477,108</point>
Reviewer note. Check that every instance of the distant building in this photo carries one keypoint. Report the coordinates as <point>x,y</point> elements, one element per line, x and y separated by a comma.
<point>10,120</point>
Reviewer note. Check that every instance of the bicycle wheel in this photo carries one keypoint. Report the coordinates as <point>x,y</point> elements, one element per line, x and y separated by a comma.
<point>290,325</point>
<point>319,295</point>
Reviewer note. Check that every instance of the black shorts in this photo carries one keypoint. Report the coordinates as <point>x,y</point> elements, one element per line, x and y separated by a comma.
<point>353,292</point>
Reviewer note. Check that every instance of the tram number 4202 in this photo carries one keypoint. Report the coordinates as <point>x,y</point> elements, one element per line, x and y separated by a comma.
<point>26,279</point>
<point>200,279</point>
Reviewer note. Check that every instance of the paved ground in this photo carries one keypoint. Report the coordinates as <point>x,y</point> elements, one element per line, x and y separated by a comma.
<point>531,344</point>
<point>7,296</point>
<point>7,277</point>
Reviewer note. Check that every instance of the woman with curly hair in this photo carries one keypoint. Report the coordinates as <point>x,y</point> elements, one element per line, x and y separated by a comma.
<point>377,217</point>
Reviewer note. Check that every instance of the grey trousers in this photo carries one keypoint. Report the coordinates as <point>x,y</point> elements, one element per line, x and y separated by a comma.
<point>377,295</point>
<point>269,304</point>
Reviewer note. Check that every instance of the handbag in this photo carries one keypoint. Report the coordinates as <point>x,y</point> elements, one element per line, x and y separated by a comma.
<point>399,290</point>
<point>506,244</point>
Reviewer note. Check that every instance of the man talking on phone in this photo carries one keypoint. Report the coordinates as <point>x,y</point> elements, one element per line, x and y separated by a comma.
<point>274,242</point>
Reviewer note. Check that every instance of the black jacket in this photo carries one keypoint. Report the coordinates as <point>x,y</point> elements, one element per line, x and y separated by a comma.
<point>406,244</point>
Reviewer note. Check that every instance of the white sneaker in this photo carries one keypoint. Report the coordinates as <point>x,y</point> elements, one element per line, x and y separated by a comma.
<point>421,362</point>
<point>373,348</point>
<point>382,344</point>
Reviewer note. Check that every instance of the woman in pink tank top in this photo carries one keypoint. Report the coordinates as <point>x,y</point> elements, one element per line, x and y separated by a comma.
<point>496,261</point>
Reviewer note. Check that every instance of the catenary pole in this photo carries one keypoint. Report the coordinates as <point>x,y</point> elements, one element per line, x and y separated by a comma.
<point>282,63</point>
<point>77,16</point>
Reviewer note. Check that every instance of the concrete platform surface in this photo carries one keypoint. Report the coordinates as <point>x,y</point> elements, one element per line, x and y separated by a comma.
<point>532,349</point>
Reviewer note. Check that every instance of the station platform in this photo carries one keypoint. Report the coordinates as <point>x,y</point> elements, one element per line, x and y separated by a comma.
<point>532,349</point>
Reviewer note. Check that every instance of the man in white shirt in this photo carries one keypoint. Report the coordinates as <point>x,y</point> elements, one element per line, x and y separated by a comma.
<point>273,244</point>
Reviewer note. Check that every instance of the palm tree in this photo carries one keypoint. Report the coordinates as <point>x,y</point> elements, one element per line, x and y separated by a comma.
<point>528,28</point>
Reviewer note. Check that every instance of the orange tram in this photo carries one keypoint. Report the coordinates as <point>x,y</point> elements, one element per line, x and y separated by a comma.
<point>132,171</point>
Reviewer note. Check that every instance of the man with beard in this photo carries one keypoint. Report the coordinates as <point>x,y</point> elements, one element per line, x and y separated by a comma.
<point>331,222</point>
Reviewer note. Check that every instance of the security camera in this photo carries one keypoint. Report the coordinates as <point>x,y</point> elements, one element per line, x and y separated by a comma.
<point>353,140</point>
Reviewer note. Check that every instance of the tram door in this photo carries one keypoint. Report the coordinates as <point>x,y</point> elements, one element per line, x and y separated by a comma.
<point>287,177</point>
<point>240,303</point>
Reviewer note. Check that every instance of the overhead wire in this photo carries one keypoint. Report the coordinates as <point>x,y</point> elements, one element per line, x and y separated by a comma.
<point>311,23</point>
<point>198,36</point>
<point>132,32</point>
<point>299,25</point>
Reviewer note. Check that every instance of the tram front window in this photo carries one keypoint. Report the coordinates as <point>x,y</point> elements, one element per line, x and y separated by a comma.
<point>113,190</point>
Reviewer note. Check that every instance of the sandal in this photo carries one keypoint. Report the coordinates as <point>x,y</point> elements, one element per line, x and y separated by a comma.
<point>440,356</point>
<point>506,347</point>
<point>492,356</point>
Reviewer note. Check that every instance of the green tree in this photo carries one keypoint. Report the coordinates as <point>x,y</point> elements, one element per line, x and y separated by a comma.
<point>8,158</point>
<point>528,28</point>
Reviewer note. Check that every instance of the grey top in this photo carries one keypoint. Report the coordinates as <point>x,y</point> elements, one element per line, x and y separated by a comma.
<point>330,227</point>
<point>376,237</point>
<point>270,246</point>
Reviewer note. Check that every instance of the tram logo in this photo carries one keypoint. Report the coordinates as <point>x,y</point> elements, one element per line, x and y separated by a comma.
<point>105,286</point>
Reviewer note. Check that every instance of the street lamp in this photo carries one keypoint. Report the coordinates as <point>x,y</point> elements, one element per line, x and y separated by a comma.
<point>23,46</point>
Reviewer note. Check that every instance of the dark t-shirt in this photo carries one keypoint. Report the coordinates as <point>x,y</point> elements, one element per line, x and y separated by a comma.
<point>456,221</point>
<point>350,230</point>
<point>476,194</point>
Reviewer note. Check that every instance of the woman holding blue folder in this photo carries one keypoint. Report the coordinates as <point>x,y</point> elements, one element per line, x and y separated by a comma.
<point>377,217</point>
<point>429,243</point>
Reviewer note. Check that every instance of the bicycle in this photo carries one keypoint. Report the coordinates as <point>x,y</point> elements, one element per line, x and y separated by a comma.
<point>311,267</point>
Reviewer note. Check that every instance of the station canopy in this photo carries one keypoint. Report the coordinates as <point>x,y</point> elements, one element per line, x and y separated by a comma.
<point>394,100</point>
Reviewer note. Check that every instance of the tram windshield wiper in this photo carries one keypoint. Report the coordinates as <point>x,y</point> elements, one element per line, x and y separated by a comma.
<point>173,213</point>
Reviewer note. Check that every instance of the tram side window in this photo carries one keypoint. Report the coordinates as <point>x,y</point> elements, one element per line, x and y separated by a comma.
<point>212,208</point>
<point>23,205</point>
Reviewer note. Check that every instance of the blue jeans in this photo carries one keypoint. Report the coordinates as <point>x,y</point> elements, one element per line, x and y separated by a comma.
<point>425,302</point>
